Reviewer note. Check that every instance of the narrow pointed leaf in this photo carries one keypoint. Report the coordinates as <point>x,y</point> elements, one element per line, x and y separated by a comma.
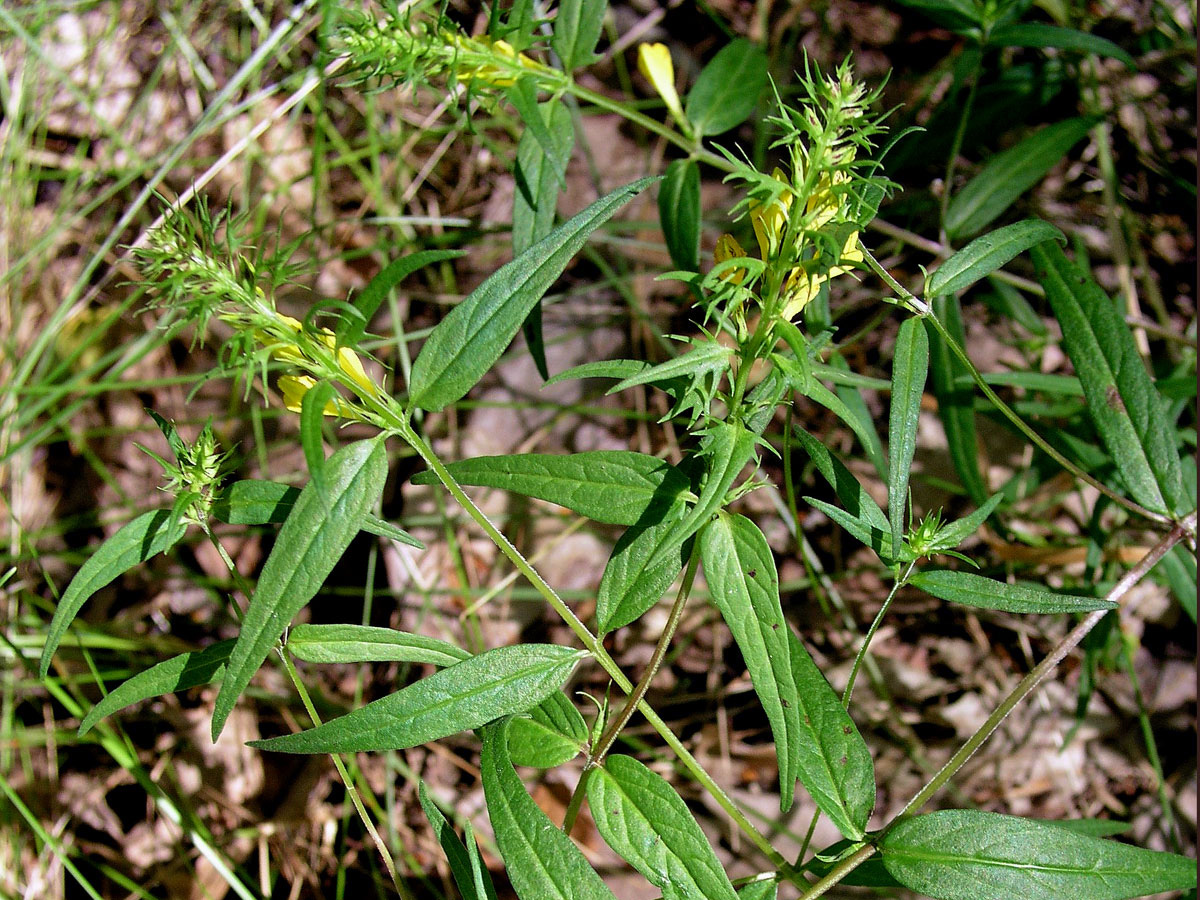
<point>148,535</point>
<point>1121,399</point>
<point>472,337</point>
<point>910,367</point>
<point>553,733</point>
<point>959,854</point>
<point>630,585</point>
<point>606,368</point>
<point>576,31</point>
<point>463,696</point>
<point>542,862</point>
<point>878,539</point>
<point>861,427</point>
<point>726,452</point>
<point>175,674</point>
<point>850,492</point>
<point>955,394</point>
<point>1010,174</point>
<point>744,585</point>
<point>366,302</point>
<point>368,643</point>
<point>708,357</point>
<point>310,543</point>
<point>472,878</point>
<point>615,486</point>
<point>986,593</point>
<point>679,213</point>
<point>727,89</point>
<point>312,421</point>
<point>758,890</point>
<point>641,817</point>
<point>1039,34</point>
<point>988,253</point>
<point>950,536</point>
<point>835,765</point>
<point>254,502</point>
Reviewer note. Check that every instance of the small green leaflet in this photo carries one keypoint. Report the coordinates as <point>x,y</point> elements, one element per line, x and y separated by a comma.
<point>474,334</point>
<point>985,593</point>
<point>553,733</point>
<point>463,696</point>
<point>727,89</point>
<point>744,585</point>
<point>148,535</point>
<point>648,824</point>
<point>679,213</point>
<point>878,539</point>
<point>1010,174</point>
<point>954,533</point>
<point>542,862</point>
<point>1121,399</point>
<point>604,368</point>
<point>368,643</point>
<point>835,765</point>
<point>850,492</point>
<point>960,854</point>
<point>470,874</point>
<point>988,253</point>
<point>707,357</point>
<point>630,585</point>
<point>615,486</point>
<point>910,366</point>
<point>175,674</point>
<point>311,541</point>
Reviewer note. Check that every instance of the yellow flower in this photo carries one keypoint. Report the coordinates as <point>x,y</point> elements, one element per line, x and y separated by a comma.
<point>771,221</point>
<point>490,73</point>
<point>347,360</point>
<point>654,62</point>
<point>729,248</point>
<point>294,387</point>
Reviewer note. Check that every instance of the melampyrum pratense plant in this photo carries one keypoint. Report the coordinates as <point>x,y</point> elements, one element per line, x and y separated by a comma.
<point>762,333</point>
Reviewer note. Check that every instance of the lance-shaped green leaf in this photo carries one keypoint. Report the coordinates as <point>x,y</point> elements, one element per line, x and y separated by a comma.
<point>744,585</point>
<point>616,369</point>
<point>1120,396</point>
<point>576,30</point>
<point>553,733</point>
<point>542,862</point>
<point>463,696</point>
<point>835,765</point>
<point>310,543</point>
<point>727,89</point>
<point>312,421</point>
<point>472,337</point>
<point>175,674</point>
<point>988,253</point>
<point>960,854</point>
<point>470,875</point>
<point>352,327</point>
<point>708,357</point>
<point>539,173</point>
<point>910,366</point>
<point>987,593</point>
<point>615,486</point>
<point>630,585</point>
<point>726,450</point>
<point>148,535</point>
<point>766,889</point>
<point>254,502</point>
<point>954,533</point>
<point>1010,174</point>
<point>369,643</point>
<point>878,539</point>
<point>850,492</point>
<point>956,399</point>
<point>641,817</point>
<point>679,213</point>
<point>1039,34</point>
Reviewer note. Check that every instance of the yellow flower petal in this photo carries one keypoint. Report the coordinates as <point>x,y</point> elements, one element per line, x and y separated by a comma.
<point>728,248</point>
<point>770,221</point>
<point>654,62</point>
<point>798,291</point>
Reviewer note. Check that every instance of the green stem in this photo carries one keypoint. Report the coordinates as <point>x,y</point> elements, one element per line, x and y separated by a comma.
<point>862,650</point>
<point>609,737</point>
